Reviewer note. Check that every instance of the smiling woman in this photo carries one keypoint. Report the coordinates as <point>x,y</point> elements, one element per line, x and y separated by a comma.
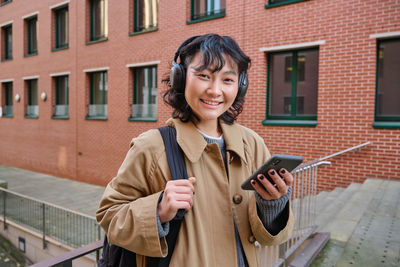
<point>206,89</point>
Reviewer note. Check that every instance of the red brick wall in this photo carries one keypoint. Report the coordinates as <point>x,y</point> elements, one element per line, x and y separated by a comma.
<point>91,151</point>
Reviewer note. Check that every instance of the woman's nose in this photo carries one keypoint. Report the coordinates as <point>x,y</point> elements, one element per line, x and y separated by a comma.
<point>215,88</point>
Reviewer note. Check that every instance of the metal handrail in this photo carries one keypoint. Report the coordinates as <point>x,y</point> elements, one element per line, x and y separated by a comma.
<point>344,151</point>
<point>68,227</point>
<point>66,258</point>
<point>48,203</point>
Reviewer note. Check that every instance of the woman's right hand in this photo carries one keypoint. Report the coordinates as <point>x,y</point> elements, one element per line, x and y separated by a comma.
<point>178,194</point>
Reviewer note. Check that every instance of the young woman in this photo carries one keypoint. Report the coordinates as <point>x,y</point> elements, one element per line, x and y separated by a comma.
<point>206,90</point>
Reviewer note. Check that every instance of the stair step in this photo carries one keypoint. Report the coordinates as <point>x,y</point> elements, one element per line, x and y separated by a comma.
<point>343,222</point>
<point>326,199</point>
<point>378,230</point>
<point>316,243</point>
<point>333,204</point>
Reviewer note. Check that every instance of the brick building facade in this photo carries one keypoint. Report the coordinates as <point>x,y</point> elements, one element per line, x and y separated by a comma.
<point>79,79</point>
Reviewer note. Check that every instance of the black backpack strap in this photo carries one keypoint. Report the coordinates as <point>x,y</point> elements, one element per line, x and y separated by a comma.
<point>177,166</point>
<point>176,160</point>
<point>114,256</point>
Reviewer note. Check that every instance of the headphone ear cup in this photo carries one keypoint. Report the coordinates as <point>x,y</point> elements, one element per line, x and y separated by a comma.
<point>243,84</point>
<point>177,76</point>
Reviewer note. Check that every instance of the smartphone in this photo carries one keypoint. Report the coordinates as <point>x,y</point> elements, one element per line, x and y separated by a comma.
<point>276,162</point>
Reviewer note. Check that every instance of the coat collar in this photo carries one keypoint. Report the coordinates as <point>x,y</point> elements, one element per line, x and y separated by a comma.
<point>193,143</point>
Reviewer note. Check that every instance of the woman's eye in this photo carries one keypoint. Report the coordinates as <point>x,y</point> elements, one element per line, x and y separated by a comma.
<point>228,80</point>
<point>202,75</point>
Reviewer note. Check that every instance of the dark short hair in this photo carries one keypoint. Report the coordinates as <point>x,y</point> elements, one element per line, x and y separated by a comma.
<point>212,48</point>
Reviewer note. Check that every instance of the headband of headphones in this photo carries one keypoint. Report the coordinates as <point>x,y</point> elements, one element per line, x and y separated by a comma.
<point>188,41</point>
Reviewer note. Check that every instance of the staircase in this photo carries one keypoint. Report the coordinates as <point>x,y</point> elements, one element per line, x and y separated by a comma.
<point>364,224</point>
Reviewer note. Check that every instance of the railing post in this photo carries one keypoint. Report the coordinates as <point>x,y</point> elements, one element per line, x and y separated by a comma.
<point>4,209</point>
<point>99,238</point>
<point>44,225</point>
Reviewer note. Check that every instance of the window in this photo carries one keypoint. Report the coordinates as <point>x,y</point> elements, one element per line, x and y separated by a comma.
<point>61,97</point>
<point>98,20</point>
<point>31,36</point>
<point>31,100</point>
<point>7,105</point>
<point>387,108</point>
<point>145,15</point>
<point>98,95</point>
<point>292,85</point>
<point>7,42</point>
<point>207,9</point>
<point>144,105</point>
<point>61,27</point>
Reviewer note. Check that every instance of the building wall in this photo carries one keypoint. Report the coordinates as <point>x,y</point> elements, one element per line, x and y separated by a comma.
<point>92,150</point>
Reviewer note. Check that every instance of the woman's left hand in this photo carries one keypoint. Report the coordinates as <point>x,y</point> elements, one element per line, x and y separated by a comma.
<point>283,180</point>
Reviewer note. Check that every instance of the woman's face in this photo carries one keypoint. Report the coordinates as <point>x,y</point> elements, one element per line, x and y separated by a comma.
<point>208,93</point>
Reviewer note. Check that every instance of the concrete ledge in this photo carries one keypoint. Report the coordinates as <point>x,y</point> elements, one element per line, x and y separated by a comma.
<point>308,254</point>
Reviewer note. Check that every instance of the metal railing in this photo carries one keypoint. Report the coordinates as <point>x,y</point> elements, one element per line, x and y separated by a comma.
<point>303,206</point>
<point>68,227</point>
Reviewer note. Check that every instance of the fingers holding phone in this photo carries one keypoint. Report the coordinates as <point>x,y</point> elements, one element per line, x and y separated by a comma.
<point>274,186</point>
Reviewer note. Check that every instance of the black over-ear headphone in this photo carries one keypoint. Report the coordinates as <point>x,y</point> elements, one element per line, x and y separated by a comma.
<point>178,73</point>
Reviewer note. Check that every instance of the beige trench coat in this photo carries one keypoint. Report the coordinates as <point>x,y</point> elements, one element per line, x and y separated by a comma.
<point>127,210</point>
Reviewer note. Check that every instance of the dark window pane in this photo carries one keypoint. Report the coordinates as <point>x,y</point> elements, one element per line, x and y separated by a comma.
<point>145,93</point>
<point>7,99</point>
<point>7,42</point>
<point>280,91</point>
<point>62,27</point>
<point>145,14</point>
<point>9,94</point>
<point>33,93</point>
<point>98,94</point>
<point>99,88</point>
<point>62,90</point>
<point>388,91</point>
<point>205,8</point>
<point>98,13</point>
<point>307,82</point>
<point>32,35</point>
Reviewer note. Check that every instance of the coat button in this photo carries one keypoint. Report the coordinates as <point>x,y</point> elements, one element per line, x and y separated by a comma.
<point>237,199</point>
<point>252,239</point>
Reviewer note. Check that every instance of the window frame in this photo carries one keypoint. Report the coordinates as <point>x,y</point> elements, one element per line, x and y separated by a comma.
<point>29,98</point>
<point>104,35</point>
<point>5,42</point>
<point>104,95</point>
<point>154,118</point>
<point>382,121</point>
<point>293,119</point>
<point>214,15</point>
<point>30,41</point>
<point>6,97</point>
<point>283,3</point>
<point>56,80</point>
<point>135,29</point>
<point>57,13</point>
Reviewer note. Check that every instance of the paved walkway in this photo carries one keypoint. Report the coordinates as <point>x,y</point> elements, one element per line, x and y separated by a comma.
<point>73,195</point>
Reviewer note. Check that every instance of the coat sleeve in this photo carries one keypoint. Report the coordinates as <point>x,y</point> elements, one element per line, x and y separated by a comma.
<point>286,219</point>
<point>127,210</point>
